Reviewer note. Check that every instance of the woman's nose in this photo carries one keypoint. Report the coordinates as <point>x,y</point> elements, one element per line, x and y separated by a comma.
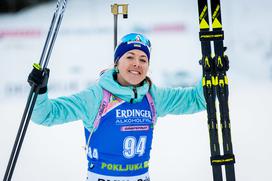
<point>136,63</point>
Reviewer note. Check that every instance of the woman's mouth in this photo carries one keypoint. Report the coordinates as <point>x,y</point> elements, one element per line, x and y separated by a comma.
<point>134,72</point>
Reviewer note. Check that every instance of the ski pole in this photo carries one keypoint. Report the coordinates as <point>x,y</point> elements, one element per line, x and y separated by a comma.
<point>115,12</point>
<point>47,49</point>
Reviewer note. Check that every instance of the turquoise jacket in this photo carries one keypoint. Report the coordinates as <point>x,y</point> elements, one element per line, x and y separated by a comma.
<point>85,104</point>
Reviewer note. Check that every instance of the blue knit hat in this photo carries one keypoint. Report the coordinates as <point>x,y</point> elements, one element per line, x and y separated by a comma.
<point>132,41</point>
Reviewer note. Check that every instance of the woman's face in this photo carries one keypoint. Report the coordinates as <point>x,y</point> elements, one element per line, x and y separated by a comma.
<point>133,67</point>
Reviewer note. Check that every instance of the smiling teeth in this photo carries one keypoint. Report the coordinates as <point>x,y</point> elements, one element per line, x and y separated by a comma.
<point>134,72</point>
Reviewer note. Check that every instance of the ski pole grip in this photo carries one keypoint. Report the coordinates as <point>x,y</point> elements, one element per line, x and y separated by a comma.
<point>37,66</point>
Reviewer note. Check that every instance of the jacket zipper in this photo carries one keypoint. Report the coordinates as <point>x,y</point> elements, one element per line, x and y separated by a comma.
<point>135,94</point>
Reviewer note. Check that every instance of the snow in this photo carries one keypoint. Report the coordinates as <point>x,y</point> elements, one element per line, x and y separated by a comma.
<point>84,47</point>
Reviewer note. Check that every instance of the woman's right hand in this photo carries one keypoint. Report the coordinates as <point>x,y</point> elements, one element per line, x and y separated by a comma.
<point>39,78</point>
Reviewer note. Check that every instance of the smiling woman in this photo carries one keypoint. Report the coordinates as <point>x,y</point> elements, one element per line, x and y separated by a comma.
<point>131,61</point>
<point>132,68</point>
<point>119,112</point>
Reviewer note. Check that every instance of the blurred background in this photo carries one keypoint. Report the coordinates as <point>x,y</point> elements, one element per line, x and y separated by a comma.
<point>84,47</point>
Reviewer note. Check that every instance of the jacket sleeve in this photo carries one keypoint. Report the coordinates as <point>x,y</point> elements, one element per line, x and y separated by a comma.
<point>83,105</point>
<point>178,100</point>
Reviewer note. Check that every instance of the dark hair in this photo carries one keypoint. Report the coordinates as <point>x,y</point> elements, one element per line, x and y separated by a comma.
<point>149,81</point>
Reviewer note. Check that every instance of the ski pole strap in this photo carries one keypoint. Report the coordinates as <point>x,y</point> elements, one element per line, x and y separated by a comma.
<point>152,107</point>
<point>227,159</point>
<point>104,103</point>
<point>211,35</point>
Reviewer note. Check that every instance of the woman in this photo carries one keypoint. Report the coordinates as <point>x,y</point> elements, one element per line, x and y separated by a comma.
<point>118,112</point>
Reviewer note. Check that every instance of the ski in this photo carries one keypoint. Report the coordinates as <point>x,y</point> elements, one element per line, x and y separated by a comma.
<point>215,84</point>
<point>208,85</point>
<point>222,65</point>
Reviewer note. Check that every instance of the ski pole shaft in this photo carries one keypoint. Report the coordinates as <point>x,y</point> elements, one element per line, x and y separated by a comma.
<point>53,31</point>
<point>21,133</point>
<point>51,36</point>
<point>115,11</point>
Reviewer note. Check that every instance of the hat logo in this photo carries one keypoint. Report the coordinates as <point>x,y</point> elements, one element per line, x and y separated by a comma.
<point>137,45</point>
<point>138,38</point>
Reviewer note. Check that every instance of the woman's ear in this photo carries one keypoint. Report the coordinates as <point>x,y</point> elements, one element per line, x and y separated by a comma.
<point>115,68</point>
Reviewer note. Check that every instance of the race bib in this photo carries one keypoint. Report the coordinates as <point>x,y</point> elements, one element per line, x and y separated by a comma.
<point>98,177</point>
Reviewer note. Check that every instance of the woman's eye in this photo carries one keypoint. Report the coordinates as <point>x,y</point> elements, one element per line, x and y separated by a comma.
<point>129,57</point>
<point>143,60</point>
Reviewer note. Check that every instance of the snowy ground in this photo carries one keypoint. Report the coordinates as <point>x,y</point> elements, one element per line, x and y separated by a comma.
<point>85,46</point>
